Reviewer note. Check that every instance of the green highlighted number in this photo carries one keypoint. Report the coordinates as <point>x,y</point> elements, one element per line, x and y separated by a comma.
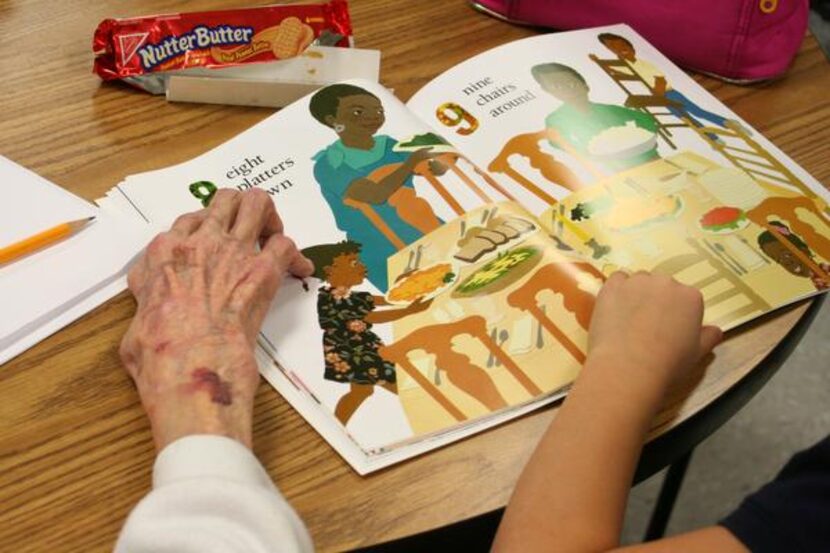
<point>203,191</point>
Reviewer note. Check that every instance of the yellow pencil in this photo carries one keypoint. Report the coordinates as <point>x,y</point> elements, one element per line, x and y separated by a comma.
<point>41,239</point>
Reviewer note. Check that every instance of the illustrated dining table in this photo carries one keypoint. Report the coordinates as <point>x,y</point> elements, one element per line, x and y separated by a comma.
<point>76,451</point>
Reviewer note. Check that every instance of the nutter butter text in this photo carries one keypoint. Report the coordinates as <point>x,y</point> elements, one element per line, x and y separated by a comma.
<point>198,38</point>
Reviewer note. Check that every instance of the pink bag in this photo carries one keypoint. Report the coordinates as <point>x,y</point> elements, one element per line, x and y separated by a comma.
<point>742,40</point>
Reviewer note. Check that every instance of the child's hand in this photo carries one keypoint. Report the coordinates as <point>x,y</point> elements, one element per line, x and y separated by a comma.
<point>649,326</point>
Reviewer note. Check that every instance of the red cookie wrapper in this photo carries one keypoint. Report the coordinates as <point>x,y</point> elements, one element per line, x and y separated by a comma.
<point>131,48</point>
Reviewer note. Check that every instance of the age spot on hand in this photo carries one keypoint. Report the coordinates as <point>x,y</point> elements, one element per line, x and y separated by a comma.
<point>182,256</point>
<point>161,347</point>
<point>207,380</point>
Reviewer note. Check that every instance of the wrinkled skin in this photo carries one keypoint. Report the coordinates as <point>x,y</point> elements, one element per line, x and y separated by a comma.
<point>202,291</point>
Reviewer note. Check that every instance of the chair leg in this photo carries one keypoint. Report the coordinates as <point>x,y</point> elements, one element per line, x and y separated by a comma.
<point>668,495</point>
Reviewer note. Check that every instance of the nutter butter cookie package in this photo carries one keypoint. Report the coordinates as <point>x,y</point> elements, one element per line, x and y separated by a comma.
<point>139,50</point>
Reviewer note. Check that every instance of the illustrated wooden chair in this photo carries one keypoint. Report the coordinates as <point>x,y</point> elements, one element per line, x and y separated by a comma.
<point>461,371</point>
<point>451,161</point>
<point>559,278</point>
<point>633,84</point>
<point>736,287</point>
<point>787,208</point>
<point>377,222</point>
<point>752,158</point>
<point>423,169</point>
<point>528,146</point>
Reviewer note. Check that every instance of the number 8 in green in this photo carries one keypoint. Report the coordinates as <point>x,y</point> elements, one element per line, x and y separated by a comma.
<point>203,191</point>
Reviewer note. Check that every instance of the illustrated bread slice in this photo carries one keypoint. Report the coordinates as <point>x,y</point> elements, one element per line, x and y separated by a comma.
<point>519,224</point>
<point>493,236</point>
<point>474,249</point>
<point>473,245</point>
<point>505,229</point>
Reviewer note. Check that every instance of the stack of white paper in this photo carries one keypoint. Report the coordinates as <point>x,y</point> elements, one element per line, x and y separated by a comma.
<point>50,288</point>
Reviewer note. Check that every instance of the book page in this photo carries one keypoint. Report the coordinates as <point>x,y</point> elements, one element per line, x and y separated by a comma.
<point>292,152</point>
<point>748,254</point>
<point>406,330</point>
<point>627,159</point>
<point>563,111</point>
<point>504,320</point>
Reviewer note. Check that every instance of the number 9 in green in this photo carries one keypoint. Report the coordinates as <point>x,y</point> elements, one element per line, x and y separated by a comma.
<point>203,191</point>
<point>451,115</point>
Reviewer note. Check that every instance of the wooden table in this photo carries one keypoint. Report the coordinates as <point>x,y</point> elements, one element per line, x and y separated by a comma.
<point>75,446</point>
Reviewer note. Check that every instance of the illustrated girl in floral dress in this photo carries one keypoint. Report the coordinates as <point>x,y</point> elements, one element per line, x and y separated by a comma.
<point>346,317</point>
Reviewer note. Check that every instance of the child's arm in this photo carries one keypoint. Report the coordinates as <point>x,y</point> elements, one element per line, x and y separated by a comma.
<point>645,335</point>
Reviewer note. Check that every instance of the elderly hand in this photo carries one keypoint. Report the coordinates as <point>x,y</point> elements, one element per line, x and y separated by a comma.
<point>202,291</point>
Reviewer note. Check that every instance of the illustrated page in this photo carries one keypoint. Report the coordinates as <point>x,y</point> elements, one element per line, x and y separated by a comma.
<point>637,166</point>
<point>373,198</point>
<point>749,246</point>
<point>551,114</point>
<point>498,317</point>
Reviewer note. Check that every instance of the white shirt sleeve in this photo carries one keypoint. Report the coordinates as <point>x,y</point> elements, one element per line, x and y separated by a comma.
<point>210,494</point>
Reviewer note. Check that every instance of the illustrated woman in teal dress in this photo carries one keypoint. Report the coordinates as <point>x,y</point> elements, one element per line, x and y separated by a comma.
<point>367,184</point>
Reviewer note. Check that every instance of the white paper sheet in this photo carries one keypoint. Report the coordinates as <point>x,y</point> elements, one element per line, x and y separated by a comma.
<point>32,204</point>
<point>50,288</point>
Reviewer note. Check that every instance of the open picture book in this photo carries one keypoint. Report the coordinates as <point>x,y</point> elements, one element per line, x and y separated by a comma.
<point>460,239</point>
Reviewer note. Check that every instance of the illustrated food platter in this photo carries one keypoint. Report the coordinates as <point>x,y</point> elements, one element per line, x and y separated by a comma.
<point>435,143</point>
<point>623,142</point>
<point>502,238</point>
<point>723,220</point>
<point>499,273</point>
<point>626,214</point>
<point>478,241</point>
<point>422,284</point>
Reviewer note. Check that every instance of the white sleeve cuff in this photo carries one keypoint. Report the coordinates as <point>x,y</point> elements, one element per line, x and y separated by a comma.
<point>208,456</point>
<point>211,495</point>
